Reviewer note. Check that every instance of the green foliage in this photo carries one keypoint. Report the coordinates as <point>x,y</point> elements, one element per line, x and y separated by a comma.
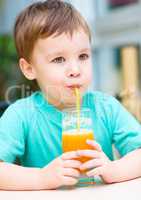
<point>7,53</point>
<point>8,64</point>
<point>10,74</point>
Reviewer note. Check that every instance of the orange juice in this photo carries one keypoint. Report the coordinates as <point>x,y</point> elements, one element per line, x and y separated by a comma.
<point>73,140</point>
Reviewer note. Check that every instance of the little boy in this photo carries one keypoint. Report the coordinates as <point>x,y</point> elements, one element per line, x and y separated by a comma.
<point>54,46</point>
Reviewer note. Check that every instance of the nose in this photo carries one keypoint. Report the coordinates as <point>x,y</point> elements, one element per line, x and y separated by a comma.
<point>73,71</point>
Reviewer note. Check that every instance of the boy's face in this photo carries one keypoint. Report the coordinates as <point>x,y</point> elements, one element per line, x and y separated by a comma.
<point>62,63</point>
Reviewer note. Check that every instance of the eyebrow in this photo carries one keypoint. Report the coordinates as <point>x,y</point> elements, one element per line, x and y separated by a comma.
<point>85,49</point>
<point>57,53</point>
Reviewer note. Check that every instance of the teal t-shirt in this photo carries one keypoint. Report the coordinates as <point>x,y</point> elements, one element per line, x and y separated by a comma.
<point>31,129</point>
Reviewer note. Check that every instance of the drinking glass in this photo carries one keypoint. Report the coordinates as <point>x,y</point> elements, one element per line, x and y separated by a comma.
<point>74,137</point>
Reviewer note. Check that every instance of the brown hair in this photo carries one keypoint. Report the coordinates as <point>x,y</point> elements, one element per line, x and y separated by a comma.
<point>43,19</point>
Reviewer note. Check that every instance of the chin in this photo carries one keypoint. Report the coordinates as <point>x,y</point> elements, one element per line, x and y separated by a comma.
<point>70,103</point>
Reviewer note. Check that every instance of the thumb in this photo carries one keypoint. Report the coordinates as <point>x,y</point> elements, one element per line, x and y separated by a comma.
<point>94,145</point>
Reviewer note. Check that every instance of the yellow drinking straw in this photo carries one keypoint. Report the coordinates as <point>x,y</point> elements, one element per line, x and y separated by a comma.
<point>77,94</point>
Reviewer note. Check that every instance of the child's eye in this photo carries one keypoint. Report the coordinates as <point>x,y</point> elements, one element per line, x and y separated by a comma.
<point>58,60</point>
<point>83,56</point>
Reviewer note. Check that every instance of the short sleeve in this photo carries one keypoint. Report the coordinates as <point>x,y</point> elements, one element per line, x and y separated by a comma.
<point>12,137</point>
<point>126,130</point>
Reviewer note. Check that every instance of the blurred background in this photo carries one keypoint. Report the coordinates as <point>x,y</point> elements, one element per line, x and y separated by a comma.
<point>116,29</point>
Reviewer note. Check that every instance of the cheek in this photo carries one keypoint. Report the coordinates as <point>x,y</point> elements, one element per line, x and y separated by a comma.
<point>89,79</point>
<point>56,78</point>
<point>88,74</point>
<point>52,77</point>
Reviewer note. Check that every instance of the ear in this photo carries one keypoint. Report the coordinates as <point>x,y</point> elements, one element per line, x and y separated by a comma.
<point>27,69</point>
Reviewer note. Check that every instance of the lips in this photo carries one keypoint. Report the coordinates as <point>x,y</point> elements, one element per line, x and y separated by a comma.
<point>74,86</point>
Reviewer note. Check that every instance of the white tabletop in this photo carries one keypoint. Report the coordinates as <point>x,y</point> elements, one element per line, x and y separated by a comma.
<point>130,190</point>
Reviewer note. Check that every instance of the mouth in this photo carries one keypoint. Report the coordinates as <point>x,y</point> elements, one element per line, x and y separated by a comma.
<point>74,86</point>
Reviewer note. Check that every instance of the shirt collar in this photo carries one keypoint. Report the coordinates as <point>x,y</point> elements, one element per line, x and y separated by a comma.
<point>54,113</point>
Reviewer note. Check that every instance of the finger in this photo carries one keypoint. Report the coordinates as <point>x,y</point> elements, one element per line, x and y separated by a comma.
<point>71,172</point>
<point>95,172</point>
<point>91,164</point>
<point>89,153</point>
<point>72,164</point>
<point>69,155</point>
<point>94,144</point>
<point>69,181</point>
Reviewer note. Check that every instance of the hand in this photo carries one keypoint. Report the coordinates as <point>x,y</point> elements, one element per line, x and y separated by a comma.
<point>62,171</point>
<point>99,163</point>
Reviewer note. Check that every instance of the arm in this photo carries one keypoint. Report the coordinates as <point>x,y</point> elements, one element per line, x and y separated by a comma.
<point>14,177</point>
<point>61,171</point>
<point>128,167</point>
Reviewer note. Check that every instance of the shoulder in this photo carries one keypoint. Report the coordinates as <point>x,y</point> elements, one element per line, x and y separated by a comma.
<point>103,105</point>
<point>20,115</point>
<point>22,107</point>
<point>101,99</point>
